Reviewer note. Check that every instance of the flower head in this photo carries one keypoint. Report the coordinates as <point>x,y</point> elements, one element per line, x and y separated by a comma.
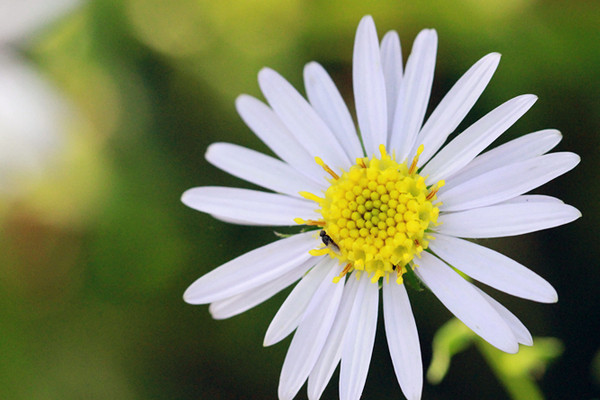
<point>388,202</point>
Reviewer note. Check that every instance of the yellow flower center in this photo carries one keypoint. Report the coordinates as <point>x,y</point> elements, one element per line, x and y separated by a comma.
<point>375,216</point>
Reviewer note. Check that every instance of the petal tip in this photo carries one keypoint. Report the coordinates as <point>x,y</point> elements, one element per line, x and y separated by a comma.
<point>186,196</point>
<point>493,59</point>
<point>243,101</point>
<point>575,213</point>
<point>512,349</point>
<point>528,341</point>
<point>367,19</point>
<point>210,150</point>
<point>269,340</point>
<point>529,98</point>
<point>392,35</point>
<point>366,28</point>
<point>266,76</point>
<point>189,297</point>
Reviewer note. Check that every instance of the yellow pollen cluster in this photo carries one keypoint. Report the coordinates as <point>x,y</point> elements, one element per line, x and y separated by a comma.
<point>375,216</point>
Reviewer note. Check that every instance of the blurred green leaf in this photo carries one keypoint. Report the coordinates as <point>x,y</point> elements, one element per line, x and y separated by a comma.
<point>452,338</point>
<point>518,372</point>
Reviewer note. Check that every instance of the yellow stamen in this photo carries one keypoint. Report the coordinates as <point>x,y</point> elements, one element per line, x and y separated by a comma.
<point>326,168</point>
<point>312,197</point>
<point>413,166</point>
<point>435,189</point>
<point>376,214</point>
<point>346,269</point>
<point>310,222</point>
<point>319,252</point>
<point>399,272</point>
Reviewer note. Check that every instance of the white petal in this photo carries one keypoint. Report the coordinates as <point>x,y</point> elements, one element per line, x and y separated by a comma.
<point>329,104</point>
<point>260,169</point>
<point>454,106</point>
<point>403,339</point>
<point>460,151</point>
<point>251,269</point>
<point>506,219</point>
<point>332,350</point>
<point>391,62</point>
<point>301,119</point>
<point>250,206</point>
<point>414,93</point>
<point>291,311</point>
<point>520,149</point>
<point>493,269</point>
<point>311,335</point>
<point>533,198</point>
<point>466,303</point>
<point>519,330</point>
<point>237,221</point>
<point>244,301</point>
<point>268,127</point>
<point>507,182</point>
<point>358,343</point>
<point>369,87</point>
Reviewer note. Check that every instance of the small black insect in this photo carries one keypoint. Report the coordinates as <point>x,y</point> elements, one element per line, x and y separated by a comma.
<point>328,241</point>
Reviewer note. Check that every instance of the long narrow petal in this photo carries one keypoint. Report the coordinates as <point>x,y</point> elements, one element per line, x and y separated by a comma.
<point>519,330</point>
<point>403,339</point>
<point>493,269</point>
<point>520,149</point>
<point>301,119</point>
<point>369,86</point>
<point>358,343</point>
<point>391,62</point>
<point>248,299</point>
<point>260,169</point>
<point>252,206</point>
<point>466,303</point>
<point>311,335</point>
<point>332,350</point>
<point>251,269</point>
<point>477,137</point>
<point>454,106</point>
<point>291,311</point>
<point>507,182</point>
<point>268,127</point>
<point>506,219</point>
<point>233,220</point>
<point>414,93</point>
<point>329,104</point>
<point>533,198</point>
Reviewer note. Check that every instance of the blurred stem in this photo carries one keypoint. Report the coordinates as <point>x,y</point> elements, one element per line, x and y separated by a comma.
<point>518,386</point>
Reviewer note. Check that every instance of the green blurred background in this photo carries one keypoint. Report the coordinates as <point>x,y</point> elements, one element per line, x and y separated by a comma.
<point>96,252</point>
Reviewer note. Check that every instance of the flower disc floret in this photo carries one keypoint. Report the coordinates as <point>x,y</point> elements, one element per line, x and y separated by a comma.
<point>377,214</point>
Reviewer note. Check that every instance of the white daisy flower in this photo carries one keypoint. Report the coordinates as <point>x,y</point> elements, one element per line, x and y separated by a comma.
<point>388,203</point>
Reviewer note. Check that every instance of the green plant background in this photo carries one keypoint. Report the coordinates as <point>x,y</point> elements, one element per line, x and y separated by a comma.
<point>95,257</point>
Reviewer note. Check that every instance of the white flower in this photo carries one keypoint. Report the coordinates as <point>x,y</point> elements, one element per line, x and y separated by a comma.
<point>403,207</point>
<point>33,114</point>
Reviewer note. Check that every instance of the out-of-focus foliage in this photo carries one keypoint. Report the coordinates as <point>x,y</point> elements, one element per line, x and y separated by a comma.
<point>452,338</point>
<point>96,248</point>
<point>517,373</point>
